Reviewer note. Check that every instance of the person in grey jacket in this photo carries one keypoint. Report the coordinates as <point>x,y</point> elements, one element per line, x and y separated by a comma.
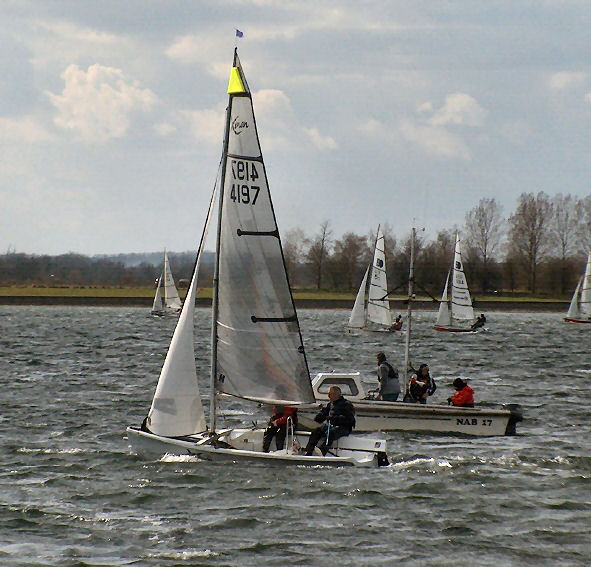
<point>389,389</point>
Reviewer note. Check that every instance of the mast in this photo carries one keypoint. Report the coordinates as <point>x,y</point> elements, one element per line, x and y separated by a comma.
<point>409,307</point>
<point>216,275</point>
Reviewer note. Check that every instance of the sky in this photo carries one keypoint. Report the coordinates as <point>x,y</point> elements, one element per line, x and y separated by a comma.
<point>368,112</point>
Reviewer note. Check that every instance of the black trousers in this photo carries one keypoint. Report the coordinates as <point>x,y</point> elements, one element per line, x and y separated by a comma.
<point>319,437</point>
<point>272,431</point>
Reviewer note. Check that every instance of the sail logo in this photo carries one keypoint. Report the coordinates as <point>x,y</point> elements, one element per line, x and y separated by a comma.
<point>238,126</point>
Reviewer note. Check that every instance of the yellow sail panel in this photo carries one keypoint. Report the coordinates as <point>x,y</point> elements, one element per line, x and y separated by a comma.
<point>235,85</point>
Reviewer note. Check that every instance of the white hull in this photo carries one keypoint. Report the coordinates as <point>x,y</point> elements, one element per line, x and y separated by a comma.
<point>398,416</point>
<point>246,444</point>
<point>373,415</point>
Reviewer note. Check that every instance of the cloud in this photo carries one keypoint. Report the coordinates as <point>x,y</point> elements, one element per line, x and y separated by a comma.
<point>567,79</point>
<point>429,130</point>
<point>26,129</point>
<point>459,108</point>
<point>435,140</point>
<point>280,127</point>
<point>206,125</point>
<point>319,141</point>
<point>97,104</point>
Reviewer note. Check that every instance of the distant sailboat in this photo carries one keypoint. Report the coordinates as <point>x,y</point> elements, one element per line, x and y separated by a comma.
<point>579,310</point>
<point>371,304</point>
<point>170,302</point>
<point>257,352</point>
<point>455,308</point>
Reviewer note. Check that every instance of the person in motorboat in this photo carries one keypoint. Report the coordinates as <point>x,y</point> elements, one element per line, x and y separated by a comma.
<point>389,385</point>
<point>339,415</point>
<point>464,396</point>
<point>277,426</point>
<point>420,386</point>
<point>480,322</point>
<point>397,325</point>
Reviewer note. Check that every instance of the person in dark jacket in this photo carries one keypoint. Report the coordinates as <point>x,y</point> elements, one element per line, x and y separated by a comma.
<point>480,322</point>
<point>339,415</point>
<point>420,386</point>
<point>277,426</point>
<point>389,389</point>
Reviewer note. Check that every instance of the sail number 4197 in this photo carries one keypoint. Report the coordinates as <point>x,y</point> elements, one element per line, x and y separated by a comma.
<point>244,192</point>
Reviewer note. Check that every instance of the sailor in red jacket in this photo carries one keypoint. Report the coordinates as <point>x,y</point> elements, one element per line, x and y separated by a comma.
<point>277,426</point>
<point>464,396</point>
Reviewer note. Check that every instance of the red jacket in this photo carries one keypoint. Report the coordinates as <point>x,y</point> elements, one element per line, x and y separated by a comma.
<point>280,416</point>
<point>463,397</point>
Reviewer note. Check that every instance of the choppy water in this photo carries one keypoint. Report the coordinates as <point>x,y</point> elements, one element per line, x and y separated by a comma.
<point>71,493</point>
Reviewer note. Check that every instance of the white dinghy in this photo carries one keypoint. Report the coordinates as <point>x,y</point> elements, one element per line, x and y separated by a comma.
<point>579,310</point>
<point>257,352</point>
<point>371,310</point>
<point>455,308</point>
<point>376,415</point>
<point>168,302</point>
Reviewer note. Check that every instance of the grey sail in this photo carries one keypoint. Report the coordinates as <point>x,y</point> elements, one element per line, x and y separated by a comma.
<point>259,352</point>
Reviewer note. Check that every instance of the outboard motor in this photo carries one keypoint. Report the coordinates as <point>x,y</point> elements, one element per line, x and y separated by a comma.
<point>516,416</point>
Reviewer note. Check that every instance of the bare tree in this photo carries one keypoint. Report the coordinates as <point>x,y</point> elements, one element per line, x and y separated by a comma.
<point>318,250</point>
<point>585,224</point>
<point>529,232</point>
<point>565,223</point>
<point>484,231</point>
<point>293,252</point>
<point>348,259</point>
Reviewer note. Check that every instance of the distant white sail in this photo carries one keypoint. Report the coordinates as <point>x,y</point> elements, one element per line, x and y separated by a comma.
<point>171,295</point>
<point>158,305</point>
<point>580,305</point>
<point>461,303</point>
<point>357,318</point>
<point>585,302</point>
<point>378,308</point>
<point>259,347</point>
<point>444,316</point>
<point>573,309</point>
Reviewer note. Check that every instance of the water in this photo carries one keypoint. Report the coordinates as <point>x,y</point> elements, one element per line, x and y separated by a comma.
<point>72,493</point>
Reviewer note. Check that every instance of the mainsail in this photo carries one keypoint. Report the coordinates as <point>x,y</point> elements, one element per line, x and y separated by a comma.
<point>461,303</point>
<point>171,295</point>
<point>585,302</point>
<point>378,307</point>
<point>258,351</point>
<point>176,407</point>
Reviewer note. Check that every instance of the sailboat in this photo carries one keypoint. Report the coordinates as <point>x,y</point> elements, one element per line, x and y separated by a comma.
<point>455,308</point>
<point>376,415</point>
<point>371,303</point>
<point>257,352</point>
<point>579,310</point>
<point>169,302</point>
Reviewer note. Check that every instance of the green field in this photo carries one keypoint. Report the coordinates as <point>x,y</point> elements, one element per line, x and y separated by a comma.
<point>148,292</point>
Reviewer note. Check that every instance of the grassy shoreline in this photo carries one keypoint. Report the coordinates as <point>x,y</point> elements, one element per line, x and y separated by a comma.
<point>143,296</point>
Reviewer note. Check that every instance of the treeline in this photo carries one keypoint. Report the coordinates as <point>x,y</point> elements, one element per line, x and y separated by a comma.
<point>79,270</point>
<point>540,248</point>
